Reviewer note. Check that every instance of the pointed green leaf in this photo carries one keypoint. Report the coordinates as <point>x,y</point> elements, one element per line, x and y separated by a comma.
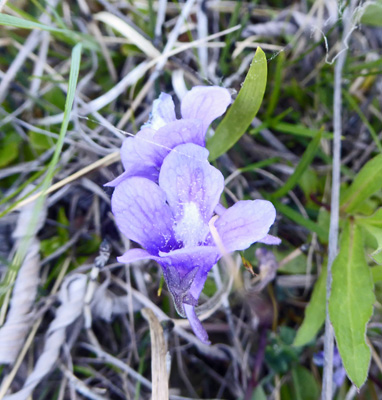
<point>372,15</point>
<point>351,303</point>
<point>366,183</point>
<point>243,110</point>
<point>373,224</point>
<point>314,313</point>
<point>304,385</point>
<point>376,273</point>
<point>259,394</point>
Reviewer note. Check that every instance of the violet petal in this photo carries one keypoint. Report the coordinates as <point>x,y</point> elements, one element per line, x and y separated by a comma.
<point>116,181</point>
<point>339,376</point>
<point>142,215</point>
<point>196,325</point>
<point>245,223</point>
<point>270,239</point>
<point>180,132</point>
<point>134,255</point>
<point>185,271</point>
<point>162,113</point>
<point>193,188</point>
<point>205,103</point>
<point>142,156</point>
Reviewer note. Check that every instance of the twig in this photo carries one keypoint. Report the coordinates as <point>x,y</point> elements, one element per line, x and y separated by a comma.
<point>158,357</point>
<point>103,162</point>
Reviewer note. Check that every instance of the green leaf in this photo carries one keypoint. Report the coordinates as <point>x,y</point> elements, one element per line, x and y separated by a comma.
<point>9,150</point>
<point>305,161</point>
<point>243,110</point>
<point>259,394</point>
<point>373,14</point>
<point>279,354</point>
<point>376,273</point>
<point>366,183</point>
<point>373,224</point>
<point>314,313</point>
<point>40,142</point>
<point>351,303</point>
<point>304,384</point>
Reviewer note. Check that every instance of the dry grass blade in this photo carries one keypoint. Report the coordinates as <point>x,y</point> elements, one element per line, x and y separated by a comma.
<point>158,357</point>
<point>129,32</point>
<point>103,162</point>
<point>72,295</point>
<point>19,318</point>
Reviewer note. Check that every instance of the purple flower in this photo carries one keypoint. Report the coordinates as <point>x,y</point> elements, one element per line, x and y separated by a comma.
<point>143,154</point>
<point>339,373</point>
<point>170,221</point>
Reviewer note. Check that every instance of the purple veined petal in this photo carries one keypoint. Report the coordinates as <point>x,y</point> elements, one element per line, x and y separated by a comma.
<point>196,325</point>
<point>179,287</point>
<point>270,239</point>
<point>162,113</point>
<point>185,259</point>
<point>193,188</point>
<point>220,209</point>
<point>135,255</point>
<point>142,215</point>
<point>142,156</point>
<point>185,271</point>
<point>116,181</point>
<point>244,223</point>
<point>181,132</point>
<point>205,103</point>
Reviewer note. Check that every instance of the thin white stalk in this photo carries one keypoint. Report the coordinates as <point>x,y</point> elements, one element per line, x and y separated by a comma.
<point>327,381</point>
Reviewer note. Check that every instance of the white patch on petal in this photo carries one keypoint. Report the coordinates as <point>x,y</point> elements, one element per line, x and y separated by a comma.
<point>190,228</point>
<point>156,120</point>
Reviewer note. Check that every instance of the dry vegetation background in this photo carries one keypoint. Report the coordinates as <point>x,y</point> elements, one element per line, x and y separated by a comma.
<point>76,323</point>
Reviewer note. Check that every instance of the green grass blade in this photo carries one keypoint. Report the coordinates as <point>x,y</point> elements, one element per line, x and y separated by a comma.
<point>353,104</point>
<point>275,93</point>
<point>299,130</point>
<point>351,303</point>
<point>243,110</point>
<point>9,20</point>
<point>300,220</point>
<point>24,245</point>
<point>74,37</point>
<point>304,163</point>
<point>260,164</point>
